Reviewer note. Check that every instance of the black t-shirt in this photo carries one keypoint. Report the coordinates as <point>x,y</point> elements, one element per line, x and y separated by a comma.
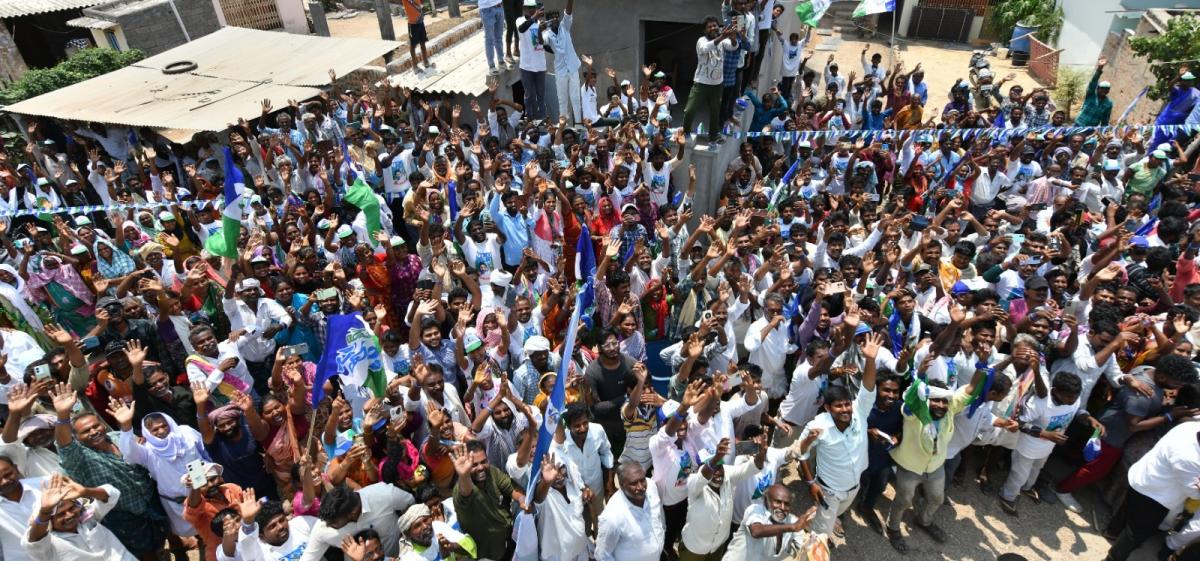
<point>609,388</point>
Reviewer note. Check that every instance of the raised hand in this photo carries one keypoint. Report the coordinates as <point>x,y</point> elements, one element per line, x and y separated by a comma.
<point>551,470</point>
<point>135,352</point>
<point>59,335</point>
<point>64,399</point>
<point>461,459</point>
<point>199,393</point>
<point>121,411</point>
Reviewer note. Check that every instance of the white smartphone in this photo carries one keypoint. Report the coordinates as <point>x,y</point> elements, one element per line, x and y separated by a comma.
<point>837,287</point>
<point>41,372</point>
<point>195,472</point>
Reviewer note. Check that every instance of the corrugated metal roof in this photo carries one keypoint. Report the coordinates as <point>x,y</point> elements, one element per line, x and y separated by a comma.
<point>239,53</point>
<point>461,70</point>
<point>18,8</point>
<point>88,22</point>
<point>218,91</point>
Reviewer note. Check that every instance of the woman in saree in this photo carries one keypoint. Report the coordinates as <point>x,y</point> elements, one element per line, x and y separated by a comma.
<point>285,411</point>
<point>111,263</point>
<point>54,281</point>
<point>16,311</point>
<point>405,269</point>
<point>372,269</point>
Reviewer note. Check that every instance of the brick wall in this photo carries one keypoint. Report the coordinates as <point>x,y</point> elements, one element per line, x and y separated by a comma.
<point>1043,63</point>
<point>1129,73</point>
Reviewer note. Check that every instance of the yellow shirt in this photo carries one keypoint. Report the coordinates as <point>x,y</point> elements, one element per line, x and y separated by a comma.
<point>918,452</point>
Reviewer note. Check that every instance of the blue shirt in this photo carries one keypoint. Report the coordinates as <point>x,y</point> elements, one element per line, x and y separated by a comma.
<point>515,229</point>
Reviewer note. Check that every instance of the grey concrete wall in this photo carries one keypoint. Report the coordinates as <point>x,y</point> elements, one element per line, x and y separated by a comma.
<point>152,27</point>
<point>611,31</point>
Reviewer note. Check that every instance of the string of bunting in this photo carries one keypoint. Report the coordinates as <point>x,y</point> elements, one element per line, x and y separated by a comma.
<point>965,133</point>
<point>87,209</point>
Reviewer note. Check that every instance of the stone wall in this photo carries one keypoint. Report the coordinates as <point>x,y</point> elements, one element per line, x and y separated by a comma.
<point>151,25</point>
<point>1129,73</point>
<point>12,65</point>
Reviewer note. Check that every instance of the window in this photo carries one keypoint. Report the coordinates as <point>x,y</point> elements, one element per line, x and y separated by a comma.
<point>112,39</point>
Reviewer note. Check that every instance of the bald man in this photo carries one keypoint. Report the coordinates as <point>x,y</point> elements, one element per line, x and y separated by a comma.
<point>769,531</point>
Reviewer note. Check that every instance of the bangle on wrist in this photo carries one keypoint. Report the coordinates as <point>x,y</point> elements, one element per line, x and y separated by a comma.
<point>1169,418</point>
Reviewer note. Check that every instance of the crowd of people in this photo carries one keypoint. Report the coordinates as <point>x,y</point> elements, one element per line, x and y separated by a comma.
<point>876,302</point>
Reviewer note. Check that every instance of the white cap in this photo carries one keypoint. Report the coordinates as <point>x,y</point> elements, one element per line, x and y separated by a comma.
<point>501,278</point>
<point>344,231</point>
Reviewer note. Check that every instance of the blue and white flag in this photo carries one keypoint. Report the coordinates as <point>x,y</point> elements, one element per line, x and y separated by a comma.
<point>868,7</point>
<point>352,351</point>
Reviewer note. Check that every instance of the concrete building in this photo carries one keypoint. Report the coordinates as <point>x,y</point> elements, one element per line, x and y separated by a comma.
<point>35,34</point>
<point>1088,24</point>
<point>1134,74</point>
<point>152,26</point>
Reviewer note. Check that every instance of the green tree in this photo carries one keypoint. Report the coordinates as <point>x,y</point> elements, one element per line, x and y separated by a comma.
<point>81,65</point>
<point>1180,41</point>
<point>1070,87</point>
<point>1040,13</point>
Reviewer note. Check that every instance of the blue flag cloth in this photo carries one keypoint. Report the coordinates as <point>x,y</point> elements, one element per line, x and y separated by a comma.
<point>335,338</point>
<point>585,271</point>
<point>897,331</point>
<point>350,172</point>
<point>452,199</point>
<point>980,396</point>
<point>557,402</point>
<point>1147,228</point>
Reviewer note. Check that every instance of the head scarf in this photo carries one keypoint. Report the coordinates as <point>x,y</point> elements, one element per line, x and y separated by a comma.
<point>224,412</point>
<point>412,515</point>
<point>120,265</point>
<point>65,275</point>
<point>13,295</point>
<point>139,239</point>
<point>177,443</point>
<point>493,337</point>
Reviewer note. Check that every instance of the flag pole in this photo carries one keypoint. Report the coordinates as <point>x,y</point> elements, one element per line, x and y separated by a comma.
<point>892,41</point>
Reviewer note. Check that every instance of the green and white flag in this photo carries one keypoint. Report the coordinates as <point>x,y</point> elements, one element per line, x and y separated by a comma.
<point>810,11</point>
<point>868,7</point>
<point>223,242</point>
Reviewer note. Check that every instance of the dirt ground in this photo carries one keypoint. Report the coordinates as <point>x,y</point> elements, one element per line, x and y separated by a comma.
<point>942,62</point>
<point>979,530</point>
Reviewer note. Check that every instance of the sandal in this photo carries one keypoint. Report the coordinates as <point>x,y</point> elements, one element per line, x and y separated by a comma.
<point>935,532</point>
<point>1009,507</point>
<point>985,483</point>
<point>897,540</point>
<point>1033,494</point>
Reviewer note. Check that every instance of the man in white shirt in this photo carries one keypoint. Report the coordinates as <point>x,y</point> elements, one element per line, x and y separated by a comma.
<point>566,63</point>
<point>267,533</point>
<point>19,498</point>
<point>533,59</point>
<point>631,526</point>
<point>710,75</point>
<point>589,451</point>
<point>839,436</point>
<point>560,496</point>
<point>67,529</point>
<point>710,502</point>
<point>345,512</point>
<point>674,460</point>
<point>1159,484</point>
<point>768,344</point>
<point>1096,354</point>
<point>770,532</point>
<point>260,318</point>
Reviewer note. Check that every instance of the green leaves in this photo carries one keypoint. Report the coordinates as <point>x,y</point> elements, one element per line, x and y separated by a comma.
<point>82,65</point>
<point>1181,41</point>
<point>1040,13</point>
<point>1070,88</point>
